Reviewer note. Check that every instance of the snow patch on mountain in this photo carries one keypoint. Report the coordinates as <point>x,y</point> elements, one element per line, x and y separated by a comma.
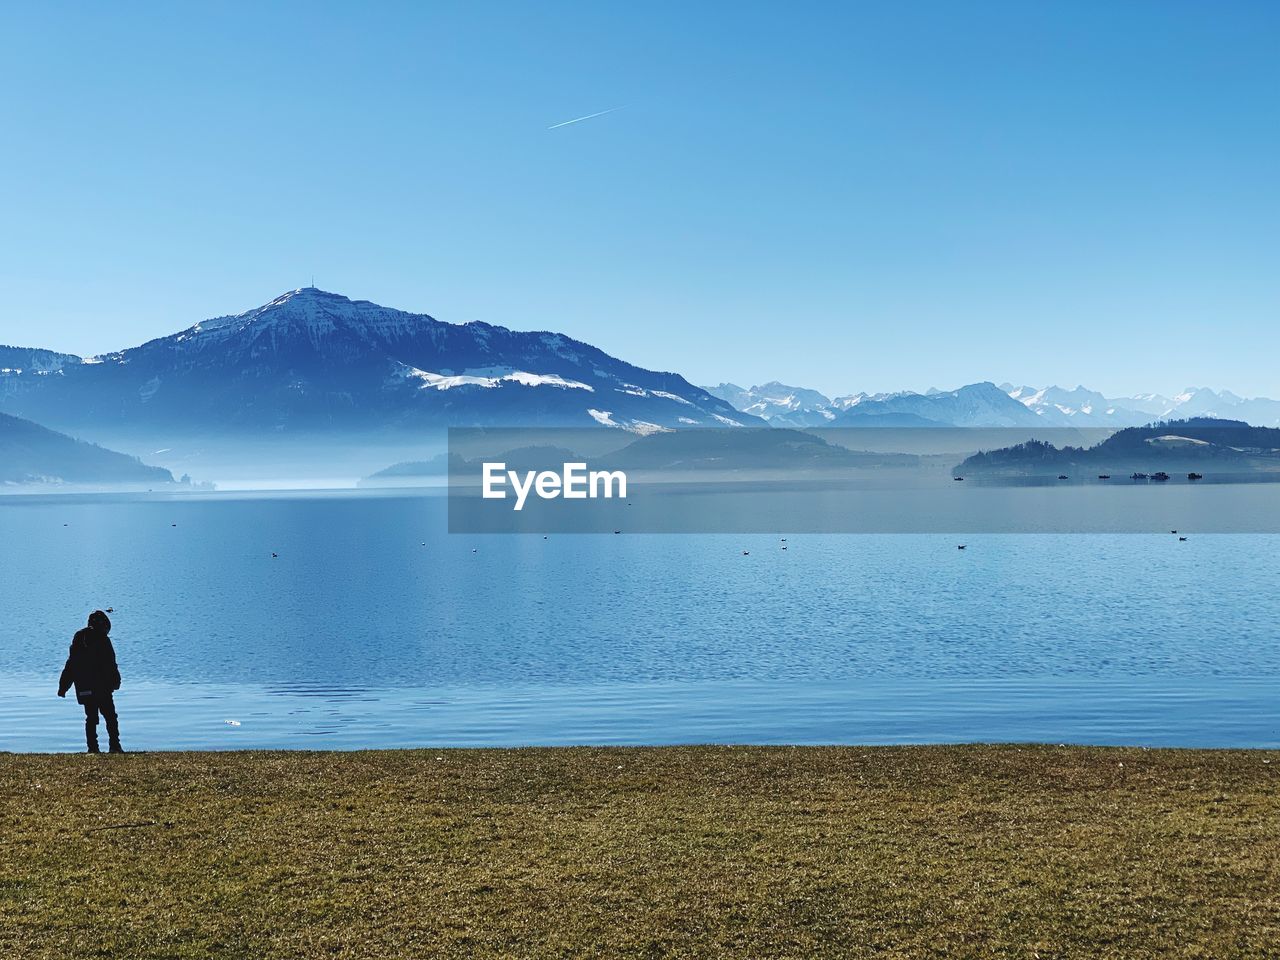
<point>546,380</point>
<point>603,417</point>
<point>644,428</point>
<point>488,378</point>
<point>670,396</point>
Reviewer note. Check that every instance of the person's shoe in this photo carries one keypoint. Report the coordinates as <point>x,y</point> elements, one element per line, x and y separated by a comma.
<point>94,750</point>
<point>115,748</point>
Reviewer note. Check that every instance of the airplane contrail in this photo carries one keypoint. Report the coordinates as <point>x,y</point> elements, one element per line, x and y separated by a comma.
<point>565,123</point>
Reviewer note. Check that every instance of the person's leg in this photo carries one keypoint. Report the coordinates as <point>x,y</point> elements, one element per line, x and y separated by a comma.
<point>108,707</point>
<point>91,725</point>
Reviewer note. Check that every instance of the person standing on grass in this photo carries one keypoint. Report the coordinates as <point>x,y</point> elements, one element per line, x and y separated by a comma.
<point>91,667</point>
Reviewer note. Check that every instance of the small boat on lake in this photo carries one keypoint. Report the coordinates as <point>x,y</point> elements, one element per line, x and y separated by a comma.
<point>1195,476</point>
<point>1139,476</point>
<point>1104,476</point>
<point>1161,476</point>
<point>1062,476</point>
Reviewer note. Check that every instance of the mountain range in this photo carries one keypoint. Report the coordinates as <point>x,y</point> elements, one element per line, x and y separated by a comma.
<point>316,374</point>
<point>317,363</point>
<point>976,405</point>
<point>987,405</point>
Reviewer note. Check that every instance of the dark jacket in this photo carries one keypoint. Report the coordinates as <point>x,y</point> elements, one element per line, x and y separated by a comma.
<point>91,665</point>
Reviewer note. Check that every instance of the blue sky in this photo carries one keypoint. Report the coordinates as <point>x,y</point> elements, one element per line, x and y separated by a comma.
<point>850,196</point>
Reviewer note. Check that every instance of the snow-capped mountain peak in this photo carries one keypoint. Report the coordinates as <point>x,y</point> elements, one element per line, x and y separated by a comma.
<point>311,360</point>
<point>315,312</point>
<point>1084,407</point>
<point>778,403</point>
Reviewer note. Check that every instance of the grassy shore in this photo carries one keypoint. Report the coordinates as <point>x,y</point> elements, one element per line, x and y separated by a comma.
<point>706,851</point>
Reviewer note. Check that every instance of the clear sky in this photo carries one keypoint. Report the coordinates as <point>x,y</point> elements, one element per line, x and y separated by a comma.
<point>848,196</point>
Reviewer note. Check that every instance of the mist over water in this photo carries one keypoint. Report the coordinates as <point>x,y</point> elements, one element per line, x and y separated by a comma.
<point>374,627</point>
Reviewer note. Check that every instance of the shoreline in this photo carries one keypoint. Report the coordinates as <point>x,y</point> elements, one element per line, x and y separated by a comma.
<point>1152,711</point>
<point>1272,753</point>
<point>903,851</point>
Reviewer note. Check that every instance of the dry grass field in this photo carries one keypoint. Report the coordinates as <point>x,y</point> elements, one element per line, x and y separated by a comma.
<point>972,851</point>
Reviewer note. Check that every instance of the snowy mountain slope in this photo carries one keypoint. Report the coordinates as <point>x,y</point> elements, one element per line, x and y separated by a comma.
<point>1083,407</point>
<point>1078,407</point>
<point>316,362</point>
<point>976,405</point>
<point>20,359</point>
<point>1203,402</point>
<point>779,404</point>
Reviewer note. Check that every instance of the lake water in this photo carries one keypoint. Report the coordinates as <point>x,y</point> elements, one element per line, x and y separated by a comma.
<point>374,627</point>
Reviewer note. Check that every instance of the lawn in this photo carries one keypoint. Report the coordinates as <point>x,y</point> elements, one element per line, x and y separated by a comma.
<point>971,851</point>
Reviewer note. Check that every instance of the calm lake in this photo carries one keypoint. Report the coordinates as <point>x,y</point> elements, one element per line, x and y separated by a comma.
<point>374,627</point>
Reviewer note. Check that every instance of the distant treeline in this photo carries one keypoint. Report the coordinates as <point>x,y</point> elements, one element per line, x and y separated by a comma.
<point>1168,444</point>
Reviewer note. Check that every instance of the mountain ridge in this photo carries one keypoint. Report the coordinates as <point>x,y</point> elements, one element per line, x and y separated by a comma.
<point>314,362</point>
<point>32,454</point>
<point>792,406</point>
